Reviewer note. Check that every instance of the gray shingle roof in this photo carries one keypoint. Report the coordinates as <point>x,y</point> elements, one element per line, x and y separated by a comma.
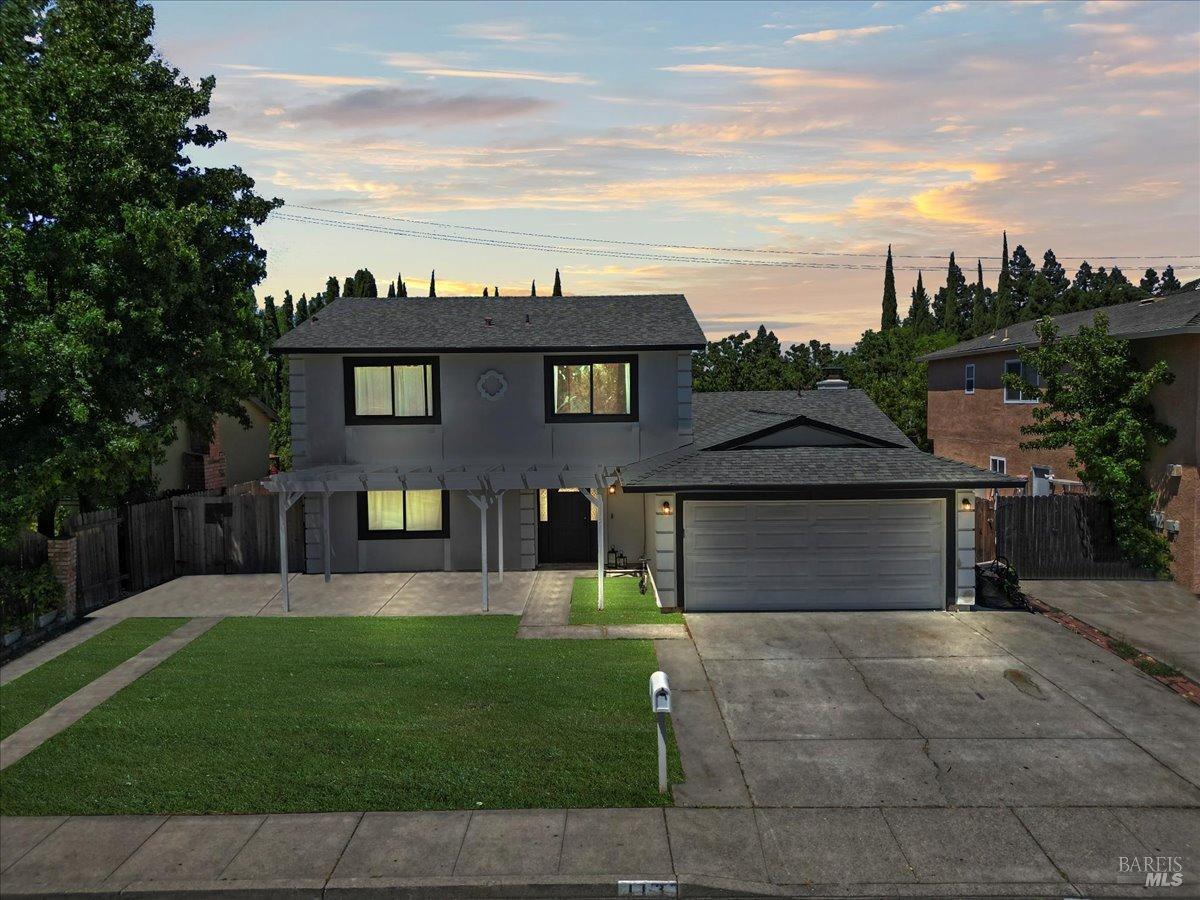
<point>1175,314</point>
<point>726,416</point>
<point>458,324</point>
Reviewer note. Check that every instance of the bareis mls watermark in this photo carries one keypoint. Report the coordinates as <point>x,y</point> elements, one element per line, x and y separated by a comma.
<point>1159,871</point>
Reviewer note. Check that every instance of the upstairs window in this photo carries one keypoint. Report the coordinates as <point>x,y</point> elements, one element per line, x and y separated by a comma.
<point>998,464</point>
<point>391,390</point>
<point>386,515</point>
<point>593,389</point>
<point>1026,374</point>
<point>969,379</point>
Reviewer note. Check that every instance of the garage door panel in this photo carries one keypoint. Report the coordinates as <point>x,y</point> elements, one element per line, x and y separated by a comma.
<point>782,555</point>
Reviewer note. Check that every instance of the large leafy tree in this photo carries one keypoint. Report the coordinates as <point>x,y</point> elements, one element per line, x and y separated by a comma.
<point>1096,401</point>
<point>125,269</point>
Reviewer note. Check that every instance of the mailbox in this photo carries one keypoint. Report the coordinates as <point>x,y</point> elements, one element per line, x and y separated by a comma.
<point>660,693</point>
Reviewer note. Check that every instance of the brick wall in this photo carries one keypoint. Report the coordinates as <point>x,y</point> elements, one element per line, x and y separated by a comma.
<point>205,469</point>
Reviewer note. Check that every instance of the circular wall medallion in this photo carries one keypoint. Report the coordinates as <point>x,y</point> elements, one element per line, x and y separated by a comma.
<point>492,385</point>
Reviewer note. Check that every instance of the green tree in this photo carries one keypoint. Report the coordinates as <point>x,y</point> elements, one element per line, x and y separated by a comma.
<point>1021,271</point>
<point>401,288</point>
<point>1006,310</point>
<point>391,291</point>
<point>485,291</point>
<point>1056,285</point>
<point>951,300</point>
<point>127,270</point>
<point>557,291</point>
<point>741,363</point>
<point>1095,400</point>
<point>891,315</point>
<point>1170,283</point>
<point>332,292</point>
<point>287,315</point>
<point>808,362</point>
<point>533,288</point>
<point>1149,282</point>
<point>302,309</point>
<point>271,318</point>
<point>433,283</point>
<point>980,319</point>
<point>1082,287</point>
<point>364,284</point>
<point>919,318</point>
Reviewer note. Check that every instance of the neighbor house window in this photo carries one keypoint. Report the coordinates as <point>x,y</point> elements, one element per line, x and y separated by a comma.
<point>1026,374</point>
<point>601,388</point>
<point>998,464</point>
<point>403,514</point>
<point>969,379</point>
<point>390,390</point>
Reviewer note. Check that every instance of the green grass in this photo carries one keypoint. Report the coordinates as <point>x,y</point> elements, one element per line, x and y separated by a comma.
<point>1123,649</point>
<point>25,698</point>
<point>623,604</point>
<point>295,715</point>
<point>1156,668</point>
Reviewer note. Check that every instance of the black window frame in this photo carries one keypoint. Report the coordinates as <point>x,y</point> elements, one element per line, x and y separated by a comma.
<point>590,359</point>
<point>350,363</point>
<point>392,534</point>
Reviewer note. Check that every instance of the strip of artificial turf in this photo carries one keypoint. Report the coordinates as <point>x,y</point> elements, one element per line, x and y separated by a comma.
<point>25,698</point>
<point>360,713</point>
<point>624,604</point>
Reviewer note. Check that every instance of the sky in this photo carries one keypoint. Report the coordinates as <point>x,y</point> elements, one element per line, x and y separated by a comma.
<point>814,134</point>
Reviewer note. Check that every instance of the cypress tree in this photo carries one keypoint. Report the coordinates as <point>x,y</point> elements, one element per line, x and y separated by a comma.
<point>391,290</point>
<point>271,317</point>
<point>302,309</point>
<point>364,284</point>
<point>947,304</point>
<point>288,319</point>
<point>485,293</point>
<point>433,283</point>
<point>557,292</point>
<point>1169,283</point>
<point>533,288</point>
<point>348,287</point>
<point>1005,311</point>
<point>1149,283</point>
<point>891,315</point>
<point>495,291</point>
<point>978,302</point>
<point>1021,273</point>
<point>919,318</point>
<point>332,292</point>
<point>401,288</point>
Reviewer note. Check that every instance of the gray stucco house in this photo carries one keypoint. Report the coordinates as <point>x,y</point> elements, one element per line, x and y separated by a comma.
<point>469,433</point>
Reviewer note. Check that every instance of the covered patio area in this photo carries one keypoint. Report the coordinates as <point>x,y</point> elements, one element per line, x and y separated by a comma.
<point>484,486</point>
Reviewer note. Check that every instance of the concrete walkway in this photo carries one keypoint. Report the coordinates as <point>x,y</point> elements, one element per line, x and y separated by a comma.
<point>1161,618</point>
<point>548,614</point>
<point>1028,851</point>
<point>89,628</point>
<point>69,711</point>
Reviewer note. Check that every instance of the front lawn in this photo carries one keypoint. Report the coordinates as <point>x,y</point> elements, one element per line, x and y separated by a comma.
<point>25,698</point>
<point>340,714</point>
<point>624,604</point>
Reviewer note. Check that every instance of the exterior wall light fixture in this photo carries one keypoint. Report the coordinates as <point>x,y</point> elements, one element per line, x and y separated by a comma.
<point>967,505</point>
<point>665,509</point>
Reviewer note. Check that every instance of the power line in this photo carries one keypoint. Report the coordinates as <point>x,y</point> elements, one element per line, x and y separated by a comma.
<point>594,251</point>
<point>714,249</point>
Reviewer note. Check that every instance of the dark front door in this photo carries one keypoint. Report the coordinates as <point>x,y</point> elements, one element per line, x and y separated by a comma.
<point>570,535</point>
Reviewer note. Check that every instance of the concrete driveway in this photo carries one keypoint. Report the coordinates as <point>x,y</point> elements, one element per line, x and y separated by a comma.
<point>984,746</point>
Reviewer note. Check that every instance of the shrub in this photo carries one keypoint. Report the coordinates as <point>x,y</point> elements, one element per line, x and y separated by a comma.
<point>26,593</point>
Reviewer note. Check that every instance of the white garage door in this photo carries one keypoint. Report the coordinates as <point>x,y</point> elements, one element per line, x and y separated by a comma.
<point>814,554</point>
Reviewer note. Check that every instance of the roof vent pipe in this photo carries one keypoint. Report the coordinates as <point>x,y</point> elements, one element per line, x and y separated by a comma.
<point>833,380</point>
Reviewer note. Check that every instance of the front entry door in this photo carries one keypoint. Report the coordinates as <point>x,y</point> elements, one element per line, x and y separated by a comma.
<point>570,533</point>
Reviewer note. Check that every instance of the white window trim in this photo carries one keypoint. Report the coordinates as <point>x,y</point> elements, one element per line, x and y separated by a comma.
<point>992,460</point>
<point>1006,388</point>
<point>969,378</point>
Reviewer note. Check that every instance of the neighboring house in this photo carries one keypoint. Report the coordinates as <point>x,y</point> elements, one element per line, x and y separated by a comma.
<point>413,419</point>
<point>235,455</point>
<point>974,418</point>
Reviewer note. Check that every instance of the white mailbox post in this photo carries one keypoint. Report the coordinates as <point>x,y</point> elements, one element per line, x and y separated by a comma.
<point>660,703</point>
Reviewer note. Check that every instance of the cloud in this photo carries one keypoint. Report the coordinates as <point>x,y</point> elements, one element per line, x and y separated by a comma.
<point>779,77</point>
<point>423,65</point>
<point>1154,69</point>
<point>948,7</point>
<point>312,80</point>
<point>1100,7</point>
<point>838,34</point>
<point>509,33</point>
<point>413,106</point>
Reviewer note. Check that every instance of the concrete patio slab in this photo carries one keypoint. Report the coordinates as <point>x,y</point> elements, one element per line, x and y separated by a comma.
<point>359,594</point>
<point>199,595</point>
<point>86,630</point>
<point>969,845</point>
<point>289,846</point>
<point>20,835</point>
<point>512,842</point>
<point>404,845</point>
<point>840,773</point>
<point>83,850</point>
<point>979,697</point>
<point>721,843</point>
<point>188,848</point>
<point>458,594</point>
<point>777,699</point>
<point>760,636</point>
<point>831,847</point>
<point>607,841</point>
<point>1085,844</point>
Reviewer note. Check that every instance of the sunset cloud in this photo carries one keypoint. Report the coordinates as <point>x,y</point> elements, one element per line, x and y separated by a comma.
<point>407,106</point>
<point>839,34</point>
<point>779,77</point>
<point>425,66</point>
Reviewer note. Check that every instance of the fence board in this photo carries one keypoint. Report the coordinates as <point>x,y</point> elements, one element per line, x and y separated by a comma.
<point>1059,536</point>
<point>242,542</point>
<point>98,564</point>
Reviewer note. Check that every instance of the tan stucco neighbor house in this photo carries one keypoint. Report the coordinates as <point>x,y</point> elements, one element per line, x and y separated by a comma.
<point>234,455</point>
<point>469,433</point>
<point>973,418</point>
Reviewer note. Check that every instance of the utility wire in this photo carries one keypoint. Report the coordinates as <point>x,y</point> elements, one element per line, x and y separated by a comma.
<point>594,251</point>
<point>591,240</point>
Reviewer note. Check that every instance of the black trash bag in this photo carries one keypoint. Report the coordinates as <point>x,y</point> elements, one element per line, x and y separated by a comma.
<point>997,586</point>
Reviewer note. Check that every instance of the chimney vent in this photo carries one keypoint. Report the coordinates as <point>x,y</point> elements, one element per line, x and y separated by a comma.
<point>487,320</point>
<point>833,380</point>
<point>528,321</point>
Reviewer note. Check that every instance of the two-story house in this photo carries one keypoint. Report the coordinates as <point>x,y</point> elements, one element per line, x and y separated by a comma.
<point>975,418</point>
<point>469,433</point>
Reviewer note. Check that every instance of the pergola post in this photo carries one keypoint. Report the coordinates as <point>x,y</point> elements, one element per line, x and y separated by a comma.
<point>283,551</point>
<point>326,549</point>
<point>483,501</point>
<point>500,535</point>
<point>601,515</point>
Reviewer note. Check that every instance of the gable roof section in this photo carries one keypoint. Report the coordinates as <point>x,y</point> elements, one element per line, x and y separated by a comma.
<point>1177,313</point>
<point>725,421</point>
<point>460,325</point>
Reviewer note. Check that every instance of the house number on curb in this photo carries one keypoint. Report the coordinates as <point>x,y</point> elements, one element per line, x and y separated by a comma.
<point>492,385</point>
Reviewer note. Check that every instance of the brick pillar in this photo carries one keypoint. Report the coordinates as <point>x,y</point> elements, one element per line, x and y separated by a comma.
<point>64,556</point>
<point>205,469</point>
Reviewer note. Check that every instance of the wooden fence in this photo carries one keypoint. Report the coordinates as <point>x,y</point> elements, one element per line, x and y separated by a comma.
<point>1065,535</point>
<point>98,567</point>
<point>234,534</point>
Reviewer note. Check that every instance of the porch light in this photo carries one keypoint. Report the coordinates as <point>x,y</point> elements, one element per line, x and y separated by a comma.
<point>612,488</point>
<point>967,505</point>
<point>665,509</point>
